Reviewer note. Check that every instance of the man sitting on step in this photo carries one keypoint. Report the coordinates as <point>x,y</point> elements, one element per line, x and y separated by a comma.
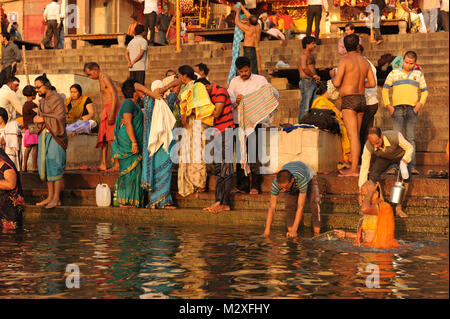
<point>388,147</point>
<point>298,181</point>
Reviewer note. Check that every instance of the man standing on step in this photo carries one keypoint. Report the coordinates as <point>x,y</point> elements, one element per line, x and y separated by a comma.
<point>150,15</point>
<point>252,33</point>
<point>298,182</point>
<point>241,85</point>
<point>308,76</point>
<point>223,165</point>
<point>11,56</point>
<point>110,109</point>
<point>314,12</point>
<point>406,83</point>
<point>136,55</point>
<point>52,15</point>
<point>163,23</point>
<point>387,148</point>
<point>353,70</point>
<point>371,102</point>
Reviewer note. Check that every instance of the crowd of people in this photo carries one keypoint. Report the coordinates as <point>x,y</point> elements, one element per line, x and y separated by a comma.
<point>141,131</point>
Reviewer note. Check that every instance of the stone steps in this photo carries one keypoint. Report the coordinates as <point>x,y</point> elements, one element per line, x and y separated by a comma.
<point>332,204</point>
<point>329,184</point>
<point>413,224</point>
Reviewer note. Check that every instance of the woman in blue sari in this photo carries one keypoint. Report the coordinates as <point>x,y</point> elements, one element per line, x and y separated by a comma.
<point>158,142</point>
<point>126,149</point>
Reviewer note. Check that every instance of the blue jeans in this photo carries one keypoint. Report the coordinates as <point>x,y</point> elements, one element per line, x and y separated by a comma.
<point>308,89</point>
<point>404,121</point>
<point>430,16</point>
<point>162,37</point>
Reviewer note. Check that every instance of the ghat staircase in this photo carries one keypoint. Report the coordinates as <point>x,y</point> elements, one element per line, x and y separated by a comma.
<point>428,204</point>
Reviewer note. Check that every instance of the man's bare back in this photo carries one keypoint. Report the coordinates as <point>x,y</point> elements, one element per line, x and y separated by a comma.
<point>252,34</point>
<point>251,28</point>
<point>352,72</point>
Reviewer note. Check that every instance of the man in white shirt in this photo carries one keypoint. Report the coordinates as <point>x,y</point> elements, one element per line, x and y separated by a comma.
<point>314,12</point>
<point>430,13</point>
<point>9,99</point>
<point>52,16</point>
<point>149,20</point>
<point>241,85</point>
<point>371,104</point>
<point>136,55</point>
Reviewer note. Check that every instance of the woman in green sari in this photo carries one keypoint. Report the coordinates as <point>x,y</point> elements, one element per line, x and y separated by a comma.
<point>127,149</point>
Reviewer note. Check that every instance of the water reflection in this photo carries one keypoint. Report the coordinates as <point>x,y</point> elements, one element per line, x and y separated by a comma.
<point>222,262</point>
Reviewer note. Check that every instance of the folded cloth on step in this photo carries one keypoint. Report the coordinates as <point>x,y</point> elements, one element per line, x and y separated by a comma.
<point>289,129</point>
<point>253,109</point>
<point>79,127</point>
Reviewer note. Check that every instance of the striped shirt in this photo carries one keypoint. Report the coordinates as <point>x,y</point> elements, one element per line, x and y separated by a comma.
<point>405,88</point>
<point>220,95</point>
<point>302,175</point>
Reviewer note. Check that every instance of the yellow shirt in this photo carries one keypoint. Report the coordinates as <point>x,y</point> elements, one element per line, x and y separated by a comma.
<point>406,88</point>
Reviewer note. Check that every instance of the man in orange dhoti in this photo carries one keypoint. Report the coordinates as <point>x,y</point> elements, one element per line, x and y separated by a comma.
<point>110,109</point>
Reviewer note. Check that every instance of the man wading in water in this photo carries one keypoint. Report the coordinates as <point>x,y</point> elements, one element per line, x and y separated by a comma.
<point>353,70</point>
<point>252,35</point>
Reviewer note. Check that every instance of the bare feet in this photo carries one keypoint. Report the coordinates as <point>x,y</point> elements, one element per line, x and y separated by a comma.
<point>221,208</point>
<point>212,207</point>
<point>200,190</point>
<point>254,191</point>
<point>236,190</point>
<point>53,204</point>
<point>379,42</point>
<point>348,172</point>
<point>114,169</point>
<point>101,167</point>
<point>44,202</point>
<point>171,207</point>
<point>400,213</point>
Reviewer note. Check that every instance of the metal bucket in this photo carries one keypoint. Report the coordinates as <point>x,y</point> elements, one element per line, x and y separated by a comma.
<point>397,193</point>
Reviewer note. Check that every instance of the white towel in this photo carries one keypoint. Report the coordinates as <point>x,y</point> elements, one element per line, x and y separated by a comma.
<point>162,124</point>
<point>12,147</point>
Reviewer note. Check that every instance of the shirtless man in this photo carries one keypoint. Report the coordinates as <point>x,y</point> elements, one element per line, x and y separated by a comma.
<point>252,33</point>
<point>110,109</point>
<point>353,70</point>
<point>308,76</point>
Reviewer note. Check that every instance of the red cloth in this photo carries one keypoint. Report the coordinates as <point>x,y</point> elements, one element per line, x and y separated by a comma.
<point>105,131</point>
<point>288,21</point>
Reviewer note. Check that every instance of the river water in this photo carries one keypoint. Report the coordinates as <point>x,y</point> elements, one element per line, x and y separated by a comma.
<point>120,261</point>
